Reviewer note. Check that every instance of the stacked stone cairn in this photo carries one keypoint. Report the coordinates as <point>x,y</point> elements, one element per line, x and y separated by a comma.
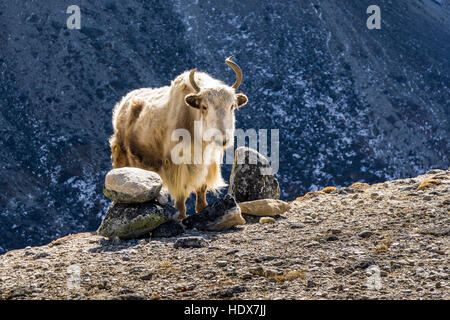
<point>139,204</point>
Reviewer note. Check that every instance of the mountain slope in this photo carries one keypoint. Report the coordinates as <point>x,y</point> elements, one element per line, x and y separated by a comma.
<point>350,103</point>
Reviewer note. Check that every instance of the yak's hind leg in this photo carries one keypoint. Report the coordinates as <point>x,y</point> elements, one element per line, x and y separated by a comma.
<point>201,199</point>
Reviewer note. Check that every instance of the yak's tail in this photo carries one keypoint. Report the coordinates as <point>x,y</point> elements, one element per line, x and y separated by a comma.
<point>118,155</point>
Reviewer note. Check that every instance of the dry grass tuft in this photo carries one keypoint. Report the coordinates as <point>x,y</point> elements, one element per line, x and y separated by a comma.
<point>67,238</point>
<point>220,283</point>
<point>428,183</point>
<point>309,195</point>
<point>360,186</point>
<point>164,265</point>
<point>383,245</point>
<point>329,189</point>
<point>290,275</point>
<point>155,296</point>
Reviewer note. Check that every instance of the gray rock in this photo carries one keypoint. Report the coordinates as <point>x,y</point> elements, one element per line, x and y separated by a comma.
<point>229,292</point>
<point>366,234</point>
<point>252,177</point>
<point>147,277</point>
<point>347,190</point>
<point>167,230</point>
<point>132,185</point>
<point>222,263</point>
<point>437,231</point>
<point>339,270</point>
<point>127,221</point>
<point>190,242</point>
<point>296,225</point>
<point>364,264</point>
<point>41,255</point>
<point>163,197</point>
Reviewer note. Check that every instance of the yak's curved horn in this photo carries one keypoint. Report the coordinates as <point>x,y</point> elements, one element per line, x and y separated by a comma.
<point>233,65</point>
<point>192,80</point>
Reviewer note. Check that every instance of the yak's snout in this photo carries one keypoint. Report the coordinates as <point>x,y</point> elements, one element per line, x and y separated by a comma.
<point>222,141</point>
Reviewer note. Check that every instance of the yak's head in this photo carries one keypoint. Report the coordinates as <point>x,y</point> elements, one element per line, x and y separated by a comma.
<point>217,106</point>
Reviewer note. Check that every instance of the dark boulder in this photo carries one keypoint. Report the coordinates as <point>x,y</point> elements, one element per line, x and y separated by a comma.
<point>251,177</point>
<point>220,215</point>
<point>128,221</point>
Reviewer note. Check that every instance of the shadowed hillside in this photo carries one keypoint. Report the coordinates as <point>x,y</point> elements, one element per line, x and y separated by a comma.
<point>351,103</point>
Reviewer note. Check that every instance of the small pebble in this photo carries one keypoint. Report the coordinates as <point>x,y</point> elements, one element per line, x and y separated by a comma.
<point>221,263</point>
<point>335,231</point>
<point>267,220</point>
<point>365,234</point>
<point>190,242</point>
<point>339,270</point>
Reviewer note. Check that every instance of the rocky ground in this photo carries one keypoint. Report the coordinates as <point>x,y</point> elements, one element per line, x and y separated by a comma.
<point>385,241</point>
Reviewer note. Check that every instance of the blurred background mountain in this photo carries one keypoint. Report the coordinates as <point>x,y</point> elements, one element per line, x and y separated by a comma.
<point>351,104</point>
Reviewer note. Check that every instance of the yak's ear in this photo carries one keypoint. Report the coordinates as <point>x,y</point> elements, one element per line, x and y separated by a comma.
<point>241,99</point>
<point>192,100</point>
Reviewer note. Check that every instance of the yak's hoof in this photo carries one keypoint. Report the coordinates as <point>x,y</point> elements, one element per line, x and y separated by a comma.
<point>200,208</point>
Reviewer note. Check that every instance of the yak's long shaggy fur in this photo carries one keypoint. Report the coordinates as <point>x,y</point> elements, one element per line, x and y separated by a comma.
<point>143,123</point>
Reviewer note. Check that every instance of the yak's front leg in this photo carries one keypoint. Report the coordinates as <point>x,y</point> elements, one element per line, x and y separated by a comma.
<point>180,205</point>
<point>201,199</point>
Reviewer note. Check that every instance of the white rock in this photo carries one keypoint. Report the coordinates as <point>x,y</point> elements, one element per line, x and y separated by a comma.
<point>132,185</point>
